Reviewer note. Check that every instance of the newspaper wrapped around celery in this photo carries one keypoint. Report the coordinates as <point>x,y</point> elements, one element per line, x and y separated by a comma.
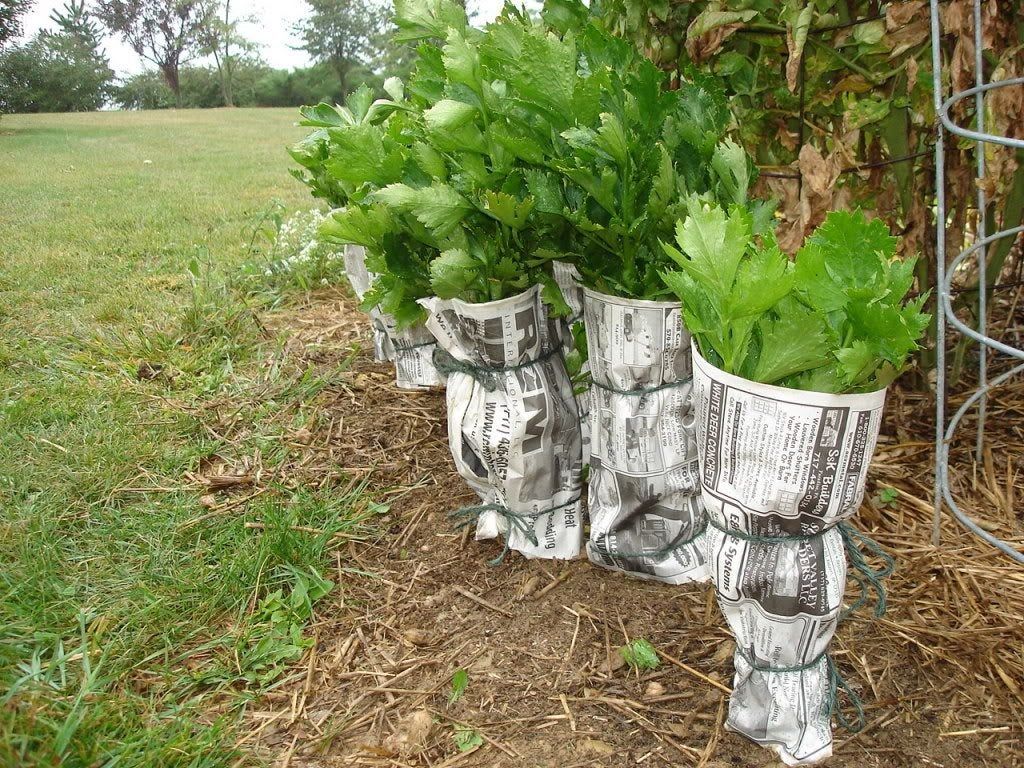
<point>568,279</point>
<point>513,426</point>
<point>359,278</point>
<point>410,349</point>
<point>781,469</point>
<point>646,513</point>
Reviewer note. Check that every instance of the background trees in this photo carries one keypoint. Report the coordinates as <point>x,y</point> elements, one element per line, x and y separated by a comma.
<point>11,12</point>
<point>225,43</point>
<point>344,34</point>
<point>201,56</point>
<point>167,33</point>
<point>61,71</point>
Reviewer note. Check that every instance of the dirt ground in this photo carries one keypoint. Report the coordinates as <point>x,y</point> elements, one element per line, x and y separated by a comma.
<point>940,675</point>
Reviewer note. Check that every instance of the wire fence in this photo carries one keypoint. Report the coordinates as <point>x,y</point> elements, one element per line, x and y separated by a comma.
<point>946,431</point>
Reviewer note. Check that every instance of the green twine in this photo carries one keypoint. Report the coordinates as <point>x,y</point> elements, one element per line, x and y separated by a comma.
<point>488,376</point>
<point>867,578</point>
<point>865,575</point>
<point>642,392</point>
<point>664,550</point>
<point>515,520</point>
<point>758,539</point>
<point>836,683</point>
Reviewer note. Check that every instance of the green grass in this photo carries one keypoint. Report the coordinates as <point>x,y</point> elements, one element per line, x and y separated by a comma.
<point>127,636</point>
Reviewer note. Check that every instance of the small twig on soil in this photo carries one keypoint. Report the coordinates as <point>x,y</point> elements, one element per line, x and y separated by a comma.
<point>973,731</point>
<point>480,601</point>
<point>548,587</point>
<point>694,672</point>
<point>709,750</point>
<point>568,712</point>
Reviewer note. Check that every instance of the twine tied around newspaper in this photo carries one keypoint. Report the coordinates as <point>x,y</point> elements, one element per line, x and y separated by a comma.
<point>487,376</point>
<point>836,683</point>
<point>666,549</point>
<point>867,578</point>
<point>469,515</point>
<point>642,392</point>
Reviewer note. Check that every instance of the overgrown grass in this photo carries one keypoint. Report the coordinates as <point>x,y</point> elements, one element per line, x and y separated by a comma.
<point>131,635</point>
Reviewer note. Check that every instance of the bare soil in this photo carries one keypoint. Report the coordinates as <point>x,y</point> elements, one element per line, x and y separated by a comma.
<point>941,674</point>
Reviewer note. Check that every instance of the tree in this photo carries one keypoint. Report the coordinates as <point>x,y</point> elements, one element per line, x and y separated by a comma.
<point>61,71</point>
<point>342,33</point>
<point>78,26</point>
<point>227,46</point>
<point>11,12</point>
<point>167,33</point>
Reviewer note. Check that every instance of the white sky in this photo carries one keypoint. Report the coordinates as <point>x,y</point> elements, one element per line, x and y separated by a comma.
<point>271,30</point>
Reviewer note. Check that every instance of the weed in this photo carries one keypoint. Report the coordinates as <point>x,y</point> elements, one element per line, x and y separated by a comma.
<point>459,682</point>
<point>640,655</point>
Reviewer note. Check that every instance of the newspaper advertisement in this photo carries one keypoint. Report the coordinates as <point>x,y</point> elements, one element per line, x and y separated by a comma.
<point>410,349</point>
<point>646,512</point>
<point>568,279</point>
<point>516,445</point>
<point>779,462</point>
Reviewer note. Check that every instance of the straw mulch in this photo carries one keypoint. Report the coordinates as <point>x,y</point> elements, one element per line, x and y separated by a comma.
<point>941,674</point>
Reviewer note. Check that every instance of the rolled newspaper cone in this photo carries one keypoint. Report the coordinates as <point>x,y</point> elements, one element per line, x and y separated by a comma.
<point>513,426</point>
<point>411,349</point>
<point>568,279</point>
<point>781,469</point>
<point>646,514</point>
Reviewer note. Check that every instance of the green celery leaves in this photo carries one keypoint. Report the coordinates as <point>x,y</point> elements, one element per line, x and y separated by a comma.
<point>835,319</point>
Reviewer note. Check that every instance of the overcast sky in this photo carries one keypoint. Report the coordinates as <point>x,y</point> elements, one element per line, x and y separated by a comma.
<point>272,30</point>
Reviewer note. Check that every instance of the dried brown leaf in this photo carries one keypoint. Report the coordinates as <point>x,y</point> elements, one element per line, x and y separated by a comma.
<point>412,734</point>
<point>899,14</point>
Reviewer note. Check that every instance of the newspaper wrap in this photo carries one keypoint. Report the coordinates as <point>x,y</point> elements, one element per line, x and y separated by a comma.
<point>514,434</point>
<point>646,514</point>
<point>411,349</point>
<point>785,464</point>
<point>568,279</point>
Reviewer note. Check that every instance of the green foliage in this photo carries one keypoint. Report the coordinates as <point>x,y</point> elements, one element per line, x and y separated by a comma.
<point>466,738</point>
<point>844,67</point>
<point>11,12</point>
<point>515,145</point>
<point>167,33</point>
<point>460,680</point>
<point>640,655</point>
<point>253,85</point>
<point>851,81</point>
<point>834,320</point>
<point>62,71</point>
<point>567,137</point>
<point>88,537</point>
<point>344,34</point>
<point>271,638</point>
<point>887,497</point>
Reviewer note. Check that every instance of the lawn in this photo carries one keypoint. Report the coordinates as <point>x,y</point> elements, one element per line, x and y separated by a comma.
<point>134,622</point>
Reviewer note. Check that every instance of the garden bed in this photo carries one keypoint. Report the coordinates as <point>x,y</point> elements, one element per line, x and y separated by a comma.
<point>546,685</point>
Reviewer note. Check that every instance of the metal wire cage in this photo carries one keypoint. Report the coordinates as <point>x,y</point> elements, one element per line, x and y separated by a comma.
<point>945,431</point>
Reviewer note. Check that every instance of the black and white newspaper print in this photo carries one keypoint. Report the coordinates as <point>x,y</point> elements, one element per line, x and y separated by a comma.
<point>645,502</point>
<point>568,279</point>
<point>779,462</point>
<point>517,446</point>
<point>410,349</point>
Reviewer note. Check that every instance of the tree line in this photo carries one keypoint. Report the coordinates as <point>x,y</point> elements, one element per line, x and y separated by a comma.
<point>197,52</point>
